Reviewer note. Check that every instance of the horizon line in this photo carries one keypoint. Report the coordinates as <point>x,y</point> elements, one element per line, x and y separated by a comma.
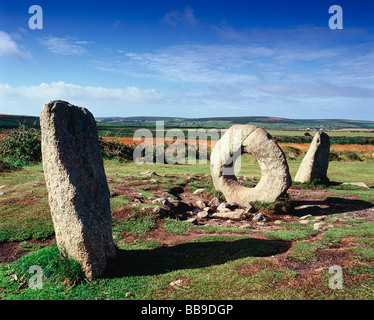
<point>210,117</point>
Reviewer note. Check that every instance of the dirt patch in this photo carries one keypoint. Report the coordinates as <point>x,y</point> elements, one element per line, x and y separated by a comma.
<point>326,259</point>
<point>122,213</point>
<point>164,237</point>
<point>248,269</point>
<point>11,251</point>
<point>28,200</point>
<point>315,274</point>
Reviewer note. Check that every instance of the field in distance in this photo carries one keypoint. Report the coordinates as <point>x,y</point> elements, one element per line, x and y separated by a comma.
<point>298,126</point>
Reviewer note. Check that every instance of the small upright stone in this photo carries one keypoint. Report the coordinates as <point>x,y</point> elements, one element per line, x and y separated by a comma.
<point>78,191</point>
<point>316,161</point>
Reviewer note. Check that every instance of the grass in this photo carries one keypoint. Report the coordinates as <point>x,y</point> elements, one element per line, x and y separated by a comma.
<point>119,202</point>
<point>293,231</point>
<point>358,192</point>
<point>209,268</point>
<point>24,205</point>
<point>363,229</point>
<point>57,273</point>
<point>305,251</point>
<point>364,248</point>
<point>138,224</point>
<point>204,261</point>
<point>288,235</point>
<point>222,262</point>
<point>176,226</point>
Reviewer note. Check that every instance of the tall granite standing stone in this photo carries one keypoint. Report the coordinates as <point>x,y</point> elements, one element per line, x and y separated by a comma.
<point>77,186</point>
<point>316,161</point>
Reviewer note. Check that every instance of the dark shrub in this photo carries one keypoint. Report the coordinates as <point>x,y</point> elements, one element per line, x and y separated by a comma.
<point>21,147</point>
<point>116,150</point>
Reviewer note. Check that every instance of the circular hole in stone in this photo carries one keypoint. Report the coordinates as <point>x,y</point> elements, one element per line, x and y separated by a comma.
<point>247,170</point>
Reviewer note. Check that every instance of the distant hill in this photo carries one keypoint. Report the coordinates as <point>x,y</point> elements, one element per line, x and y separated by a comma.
<point>261,121</point>
<point>13,121</point>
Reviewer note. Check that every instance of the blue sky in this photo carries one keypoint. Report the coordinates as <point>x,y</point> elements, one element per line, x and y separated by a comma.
<point>197,58</point>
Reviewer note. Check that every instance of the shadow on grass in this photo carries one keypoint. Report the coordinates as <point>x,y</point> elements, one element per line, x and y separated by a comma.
<point>190,255</point>
<point>330,205</point>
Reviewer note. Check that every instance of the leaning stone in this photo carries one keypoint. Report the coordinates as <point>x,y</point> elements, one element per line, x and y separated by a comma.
<point>275,177</point>
<point>316,161</point>
<point>77,187</point>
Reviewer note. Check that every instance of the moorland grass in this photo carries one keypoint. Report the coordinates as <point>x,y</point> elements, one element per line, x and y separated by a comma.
<point>225,263</point>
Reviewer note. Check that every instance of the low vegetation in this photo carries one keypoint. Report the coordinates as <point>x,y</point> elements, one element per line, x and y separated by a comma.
<point>20,147</point>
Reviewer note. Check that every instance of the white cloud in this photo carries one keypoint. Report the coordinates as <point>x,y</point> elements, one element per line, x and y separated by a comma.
<point>194,64</point>
<point>65,46</point>
<point>197,64</point>
<point>100,99</point>
<point>315,88</point>
<point>62,90</point>
<point>176,17</point>
<point>9,48</point>
<point>245,79</point>
<point>284,100</point>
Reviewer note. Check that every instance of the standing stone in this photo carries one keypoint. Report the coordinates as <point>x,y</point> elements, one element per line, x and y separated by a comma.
<point>316,161</point>
<point>79,196</point>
